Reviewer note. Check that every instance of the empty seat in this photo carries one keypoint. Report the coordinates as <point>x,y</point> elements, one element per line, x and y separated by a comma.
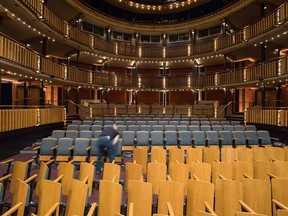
<point>152,123</point>
<point>141,122</point>
<point>194,122</point>
<point>226,138</point>
<point>205,122</point>
<point>133,128</point>
<point>162,122</point>
<point>98,122</point>
<point>108,122</point>
<point>72,134</point>
<point>128,139</point>
<point>121,128</point>
<point>81,149</point>
<point>142,138</point>
<point>85,134</point>
<point>64,149</point>
<point>185,138</point>
<point>58,134</point>
<point>170,127</point>
<point>215,122</point>
<point>235,122</point>
<point>252,137</point>
<point>225,122</point>
<point>158,128</point>
<point>199,138</point>
<point>239,137</point>
<point>184,122</point>
<point>84,127</point>
<point>72,127</point>
<point>205,128</point>
<point>250,128</point>
<point>157,138</point>
<point>96,127</point>
<point>228,128</point>
<point>239,128</point>
<point>264,137</point>
<point>173,122</point>
<point>76,122</point>
<point>47,148</point>
<point>212,137</point>
<point>87,122</point>
<point>171,138</point>
<point>194,128</point>
<point>120,122</point>
<point>145,128</point>
<point>217,128</point>
<point>182,128</point>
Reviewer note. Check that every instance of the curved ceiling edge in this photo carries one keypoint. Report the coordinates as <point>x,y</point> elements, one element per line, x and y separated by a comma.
<point>132,27</point>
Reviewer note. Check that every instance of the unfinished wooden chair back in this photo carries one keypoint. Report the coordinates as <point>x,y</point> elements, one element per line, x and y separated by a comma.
<point>229,154</point>
<point>198,192</point>
<point>156,172</point>
<point>179,172</point>
<point>67,170</point>
<point>20,199</point>
<point>208,211</point>
<point>77,198</point>
<point>140,194</point>
<point>221,168</point>
<point>140,155</point>
<point>227,194</point>
<point>87,169</point>
<point>245,154</point>
<point>211,154</point>
<point>110,171</point>
<point>50,197</point>
<point>261,170</point>
<point>279,196</point>
<point>201,170</point>
<point>133,171</point>
<point>286,153</point>
<point>194,154</point>
<point>159,155</point>
<point>257,195</point>
<point>20,171</point>
<point>242,169</point>
<point>280,169</point>
<point>176,154</point>
<point>173,192</point>
<point>260,154</point>
<point>276,153</point>
<point>42,174</point>
<point>110,196</point>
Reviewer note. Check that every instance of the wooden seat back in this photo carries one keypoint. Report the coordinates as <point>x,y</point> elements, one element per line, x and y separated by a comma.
<point>176,154</point>
<point>179,173</point>
<point>229,154</point>
<point>194,154</point>
<point>279,193</point>
<point>42,174</point>
<point>201,170</point>
<point>173,192</point>
<point>156,173</point>
<point>140,194</point>
<point>245,154</point>
<point>133,171</point>
<point>211,154</point>
<point>261,170</point>
<point>87,169</point>
<point>110,171</point>
<point>67,170</point>
<point>280,169</point>
<point>19,172</point>
<point>199,192</point>
<point>110,197</point>
<point>221,168</point>
<point>140,155</point>
<point>241,168</point>
<point>159,155</point>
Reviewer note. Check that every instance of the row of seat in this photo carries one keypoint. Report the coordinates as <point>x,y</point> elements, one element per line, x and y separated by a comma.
<point>166,127</point>
<point>183,193</point>
<point>153,122</point>
<point>195,138</point>
<point>66,149</point>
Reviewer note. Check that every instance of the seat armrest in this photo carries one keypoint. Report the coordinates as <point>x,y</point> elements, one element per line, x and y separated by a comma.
<point>13,209</point>
<point>92,209</point>
<point>279,205</point>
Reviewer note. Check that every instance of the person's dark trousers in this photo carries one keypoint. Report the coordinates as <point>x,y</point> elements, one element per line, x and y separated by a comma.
<point>105,142</point>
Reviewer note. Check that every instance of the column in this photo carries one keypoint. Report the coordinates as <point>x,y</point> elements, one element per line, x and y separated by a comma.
<point>223,28</point>
<point>108,96</point>
<point>77,99</point>
<point>137,39</point>
<point>200,95</point>
<point>193,36</point>
<point>44,46</point>
<point>25,94</point>
<point>108,34</point>
<point>42,94</point>
<point>164,39</point>
<point>278,95</point>
<point>225,99</point>
<point>1,24</point>
<point>0,89</point>
<point>100,94</point>
<point>67,98</point>
<point>225,62</point>
<point>263,95</point>
<point>78,58</point>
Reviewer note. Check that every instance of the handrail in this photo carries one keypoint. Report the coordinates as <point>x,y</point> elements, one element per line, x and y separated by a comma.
<point>78,106</point>
<point>224,107</point>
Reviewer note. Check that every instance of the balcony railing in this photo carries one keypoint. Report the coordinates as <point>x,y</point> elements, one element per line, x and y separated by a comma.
<point>12,51</point>
<point>267,23</point>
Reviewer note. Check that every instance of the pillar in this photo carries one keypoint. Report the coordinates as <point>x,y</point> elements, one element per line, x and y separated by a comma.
<point>42,94</point>
<point>164,39</point>
<point>0,89</point>
<point>278,95</point>
<point>200,94</point>
<point>77,99</point>
<point>263,95</point>
<point>1,24</point>
<point>25,93</point>
<point>193,36</point>
<point>44,46</point>
<point>78,58</point>
<point>67,98</point>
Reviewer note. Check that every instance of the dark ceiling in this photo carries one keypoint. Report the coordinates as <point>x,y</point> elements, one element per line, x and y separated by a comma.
<point>113,10</point>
